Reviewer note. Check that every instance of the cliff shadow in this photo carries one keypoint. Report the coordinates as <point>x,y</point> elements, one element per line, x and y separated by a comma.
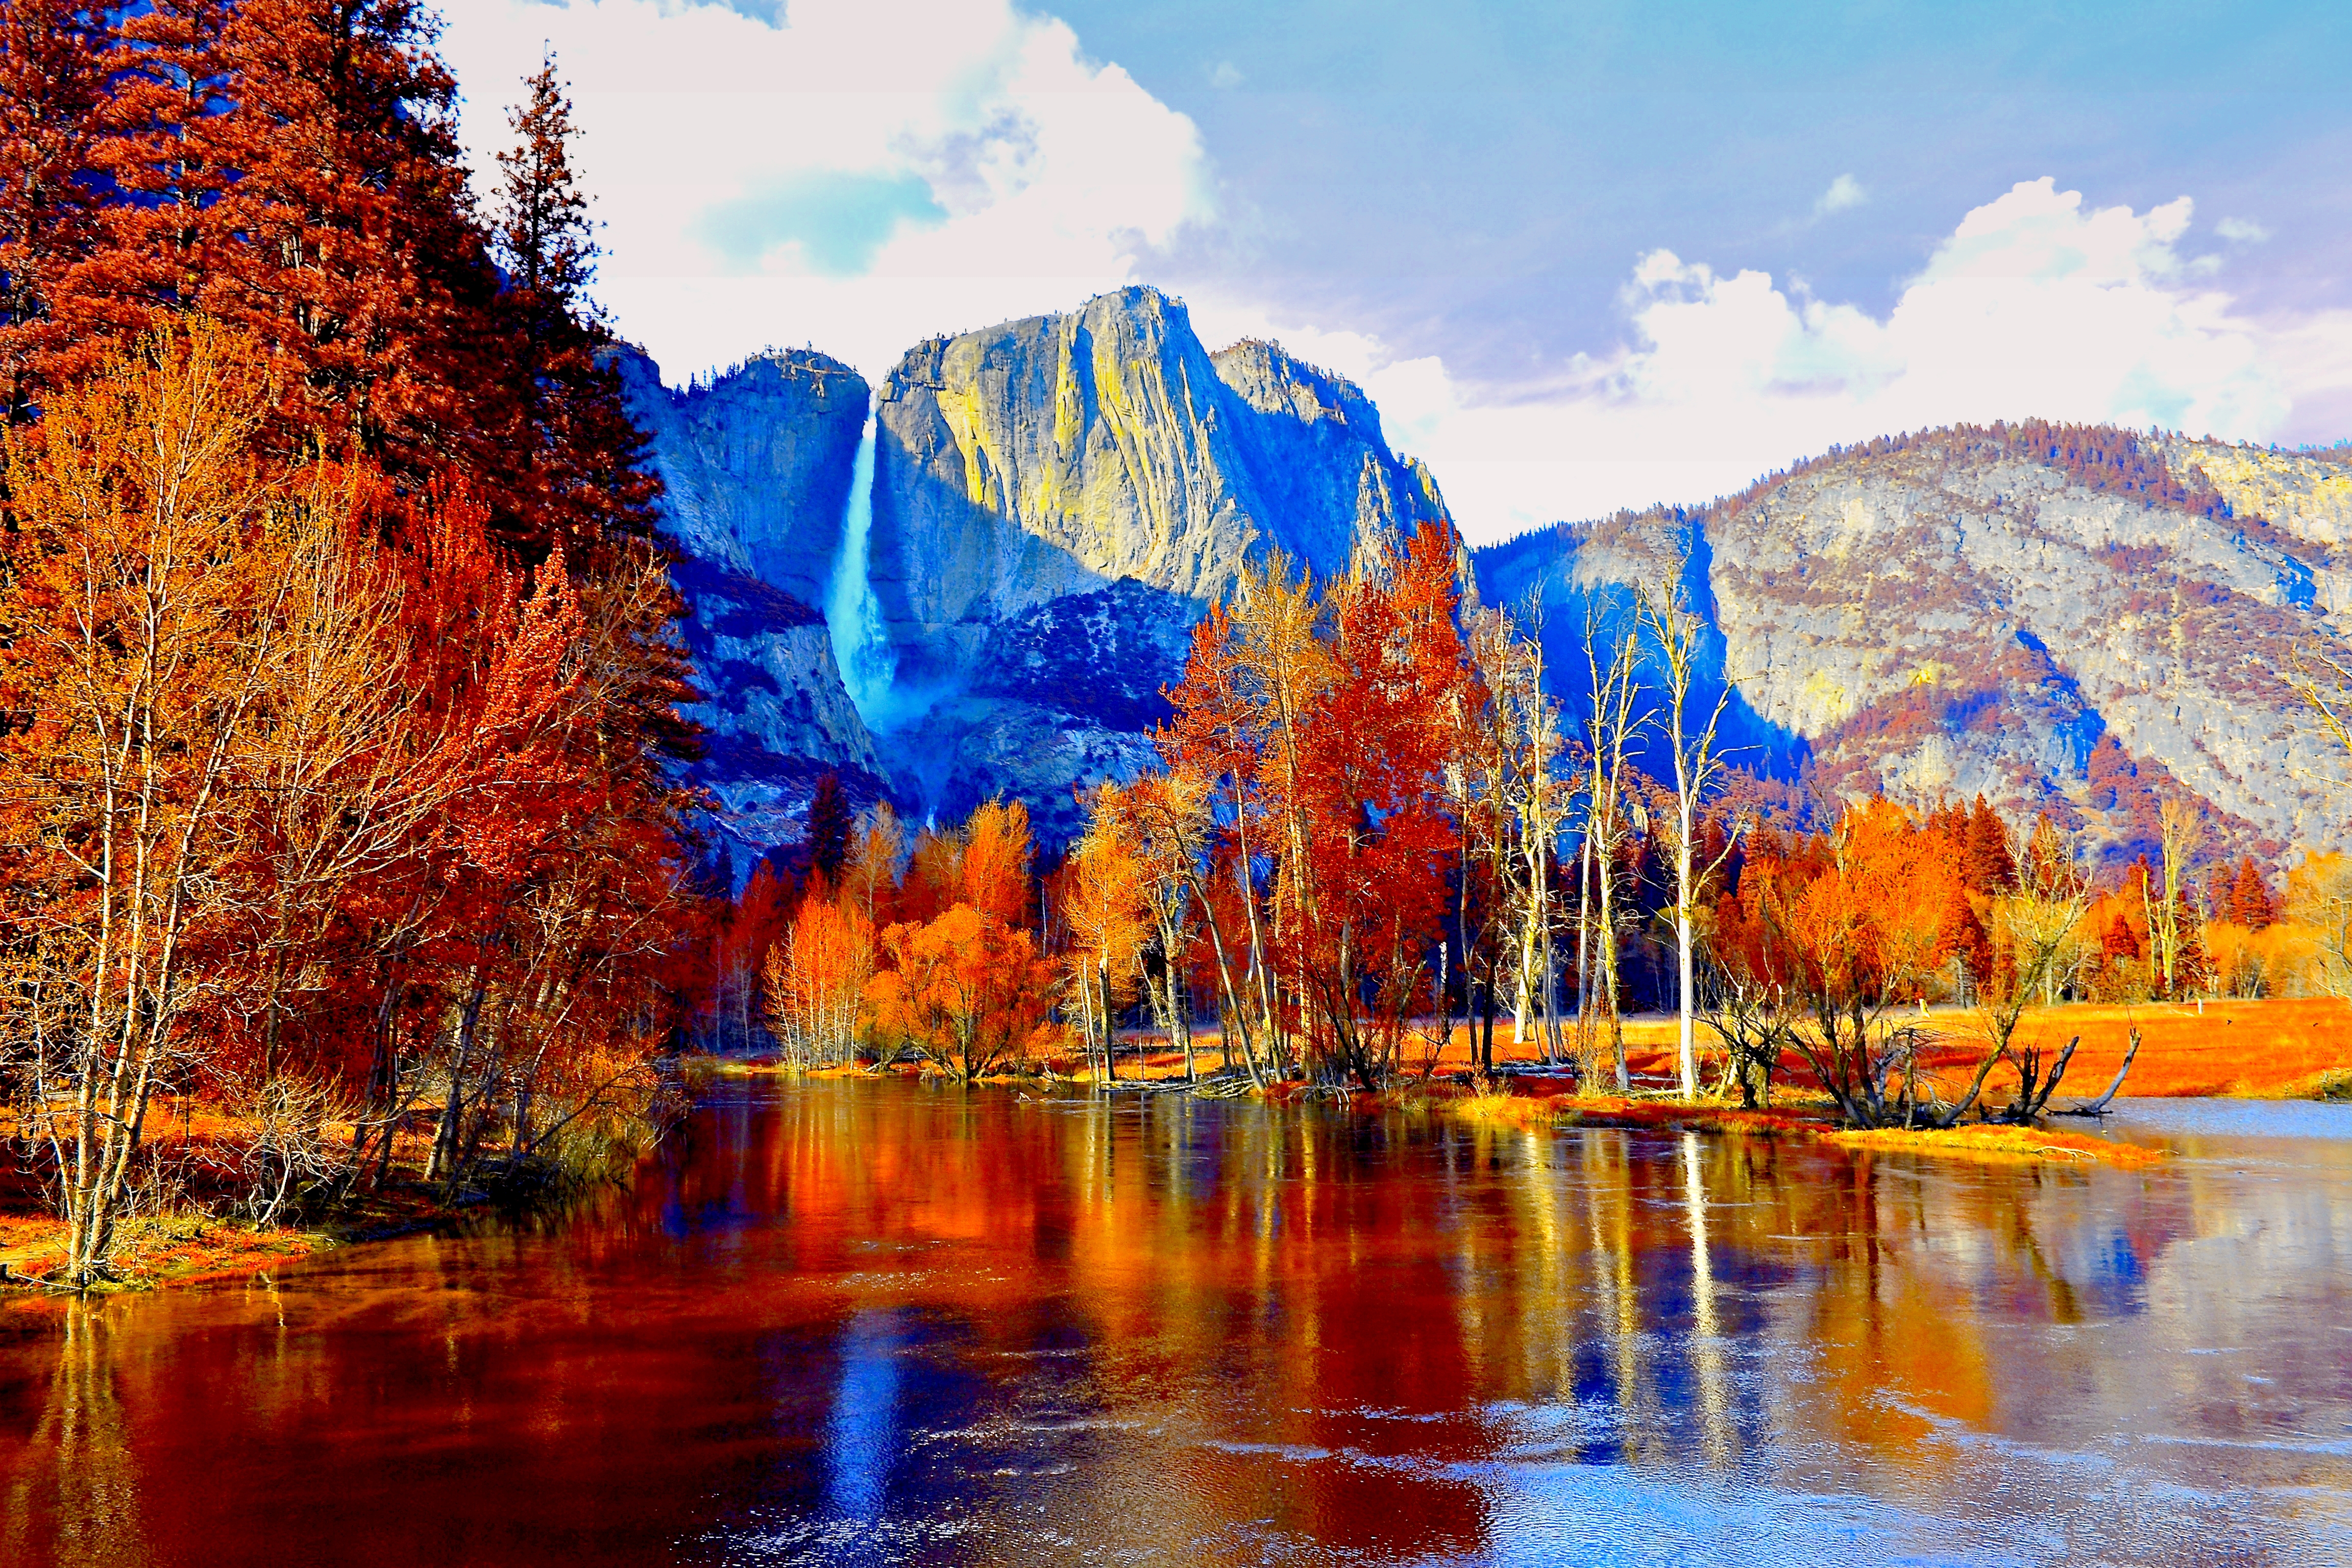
<point>1575,582</point>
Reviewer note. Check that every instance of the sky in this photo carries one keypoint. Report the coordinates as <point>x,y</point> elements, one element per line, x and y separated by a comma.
<point>1582,255</point>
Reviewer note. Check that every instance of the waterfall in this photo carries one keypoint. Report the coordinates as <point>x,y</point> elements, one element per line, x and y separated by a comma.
<point>853,615</point>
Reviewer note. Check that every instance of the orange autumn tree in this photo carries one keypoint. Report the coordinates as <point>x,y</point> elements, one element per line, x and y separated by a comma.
<point>965,981</point>
<point>1838,934</point>
<point>1359,786</point>
<point>971,992</point>
<point>1213,807</point>
<point>1303,806</point>
<point>1105,906</point>
<point>447,854</point>
<point>157,657</point>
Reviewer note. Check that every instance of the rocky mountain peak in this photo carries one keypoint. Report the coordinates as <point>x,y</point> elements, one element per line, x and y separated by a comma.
<point>2071,619</point>
<point>1271,382</point>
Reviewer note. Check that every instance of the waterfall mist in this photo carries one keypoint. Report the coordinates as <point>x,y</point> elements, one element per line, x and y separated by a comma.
<point>853,615</point>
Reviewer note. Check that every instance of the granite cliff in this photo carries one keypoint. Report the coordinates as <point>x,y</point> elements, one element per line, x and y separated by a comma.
<point>756,469</point>
<point>1054,503</point>
<point>2083,621</point>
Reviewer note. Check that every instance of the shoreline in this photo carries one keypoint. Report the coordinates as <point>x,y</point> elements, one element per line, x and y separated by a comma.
<point>2266,1048</point>
<point>197,1248</point>
<point>196,1245</point>
<point>1519,1103</point>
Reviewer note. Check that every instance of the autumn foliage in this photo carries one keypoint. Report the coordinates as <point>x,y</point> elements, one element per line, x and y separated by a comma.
<point>340,677</point>
<point>956,980</point>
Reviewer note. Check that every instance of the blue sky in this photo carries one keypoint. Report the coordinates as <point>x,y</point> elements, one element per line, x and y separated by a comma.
<point>1583,256</point>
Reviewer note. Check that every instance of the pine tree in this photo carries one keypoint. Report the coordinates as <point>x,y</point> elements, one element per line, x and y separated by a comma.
<point>172,82</point>
<point>830,824</point>
<point>2250,902</point>
<point>53,94</point>
<point>540,232</point>
<point>581,465</point>
<point>1987,864</point>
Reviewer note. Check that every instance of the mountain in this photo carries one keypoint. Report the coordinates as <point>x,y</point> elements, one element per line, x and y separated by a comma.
<point>2077,620</point>
<point>1008,540</point>
<point>756,470</point>
<point>1051,505</point>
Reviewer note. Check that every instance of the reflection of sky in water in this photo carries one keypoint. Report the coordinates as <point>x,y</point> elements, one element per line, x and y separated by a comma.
<point>860,1434</point>
<point>855,1324</point>
<point>2262,1119</point>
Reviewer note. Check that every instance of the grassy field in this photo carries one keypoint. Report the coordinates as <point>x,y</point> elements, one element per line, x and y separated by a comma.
<point>2265,1049</point>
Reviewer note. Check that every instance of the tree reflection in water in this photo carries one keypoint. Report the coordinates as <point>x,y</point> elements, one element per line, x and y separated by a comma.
<point>853,1321</point>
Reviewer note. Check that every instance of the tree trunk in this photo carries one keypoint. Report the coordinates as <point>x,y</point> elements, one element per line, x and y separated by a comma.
<point>444,1139</point>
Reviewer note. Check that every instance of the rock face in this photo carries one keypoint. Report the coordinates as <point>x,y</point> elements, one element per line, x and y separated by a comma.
<point>756,473</point>
<point>2077,621</point>
<point>1056,501</point>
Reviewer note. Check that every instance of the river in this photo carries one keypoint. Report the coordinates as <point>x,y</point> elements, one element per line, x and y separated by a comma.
<point>854,1322</point>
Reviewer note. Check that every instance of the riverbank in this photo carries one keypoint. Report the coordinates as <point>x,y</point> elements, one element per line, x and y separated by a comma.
<point>2267,1049</point>
<point>2295,1049</point>
<point>190,1245</point>
<point>1531,1101</point>
<point>200,1187</point>
<point>2298,1048</point>
<point>2240,1051</point>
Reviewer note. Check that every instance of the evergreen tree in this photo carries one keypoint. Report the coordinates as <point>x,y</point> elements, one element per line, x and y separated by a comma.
<point>2250,902</point>
<point>540,228</point>
<point>580,468</point>
<point>830,826</point>
<point>53,91</point>
<point>1987,864</point>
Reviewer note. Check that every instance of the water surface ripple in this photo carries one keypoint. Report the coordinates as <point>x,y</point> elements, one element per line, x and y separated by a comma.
<point>885,1323</point>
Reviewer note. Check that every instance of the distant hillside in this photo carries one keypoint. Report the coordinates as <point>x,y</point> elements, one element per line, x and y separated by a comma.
<point>2081,620</point>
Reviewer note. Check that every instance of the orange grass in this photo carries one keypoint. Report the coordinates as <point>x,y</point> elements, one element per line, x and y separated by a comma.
<point>2025,1146</point>
<point>2270,1049</point>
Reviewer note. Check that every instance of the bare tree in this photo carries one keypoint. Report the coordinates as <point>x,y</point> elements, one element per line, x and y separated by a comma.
<point>1525,793</point>
<point>2040,921</point>
<point>1614,663</point>
<point>1675,630</point>
<point>2323,681</point>
<point>2178,834</point>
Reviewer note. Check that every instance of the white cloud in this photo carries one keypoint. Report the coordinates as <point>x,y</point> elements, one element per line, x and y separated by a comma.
<point>1844,191</point>
<point>2036,305</point>
<point>2241,231</point>
<point>860,176</point>
<point>1227,74</point>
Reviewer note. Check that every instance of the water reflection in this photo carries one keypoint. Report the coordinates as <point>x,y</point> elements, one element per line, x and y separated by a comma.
<point>861,1436</point>
<point>876,1323</point>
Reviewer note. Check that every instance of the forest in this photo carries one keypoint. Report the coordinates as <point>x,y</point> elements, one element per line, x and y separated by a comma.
<point>337,649</point>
